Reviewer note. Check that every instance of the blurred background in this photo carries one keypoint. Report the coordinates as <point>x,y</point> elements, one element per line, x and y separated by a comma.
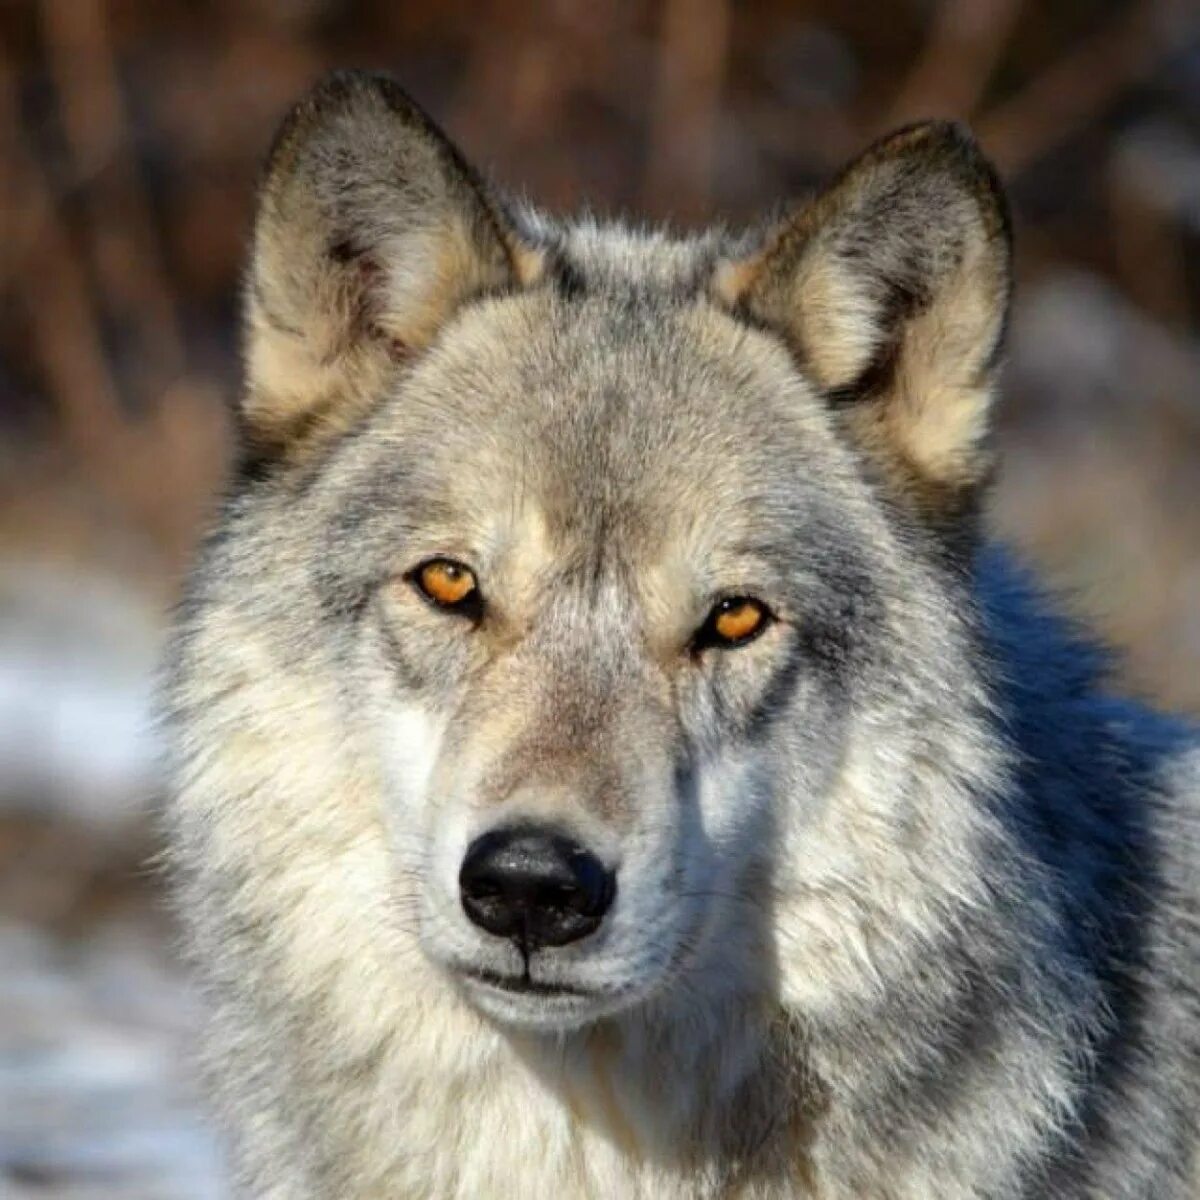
<point>131,133</point>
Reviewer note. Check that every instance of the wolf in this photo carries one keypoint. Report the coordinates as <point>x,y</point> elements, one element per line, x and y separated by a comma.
<point>609,756</point>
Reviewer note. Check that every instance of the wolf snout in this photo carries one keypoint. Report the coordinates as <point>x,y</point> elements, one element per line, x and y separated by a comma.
<point>535,886</point>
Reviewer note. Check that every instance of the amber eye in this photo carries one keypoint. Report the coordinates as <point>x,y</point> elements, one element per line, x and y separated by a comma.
<point>733,622</point>
<point>448,584</point>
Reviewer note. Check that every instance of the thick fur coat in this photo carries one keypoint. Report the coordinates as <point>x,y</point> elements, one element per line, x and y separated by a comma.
<point>904,906</point>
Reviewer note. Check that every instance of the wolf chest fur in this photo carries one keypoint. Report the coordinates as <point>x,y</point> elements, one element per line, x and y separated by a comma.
<point>608,758</point>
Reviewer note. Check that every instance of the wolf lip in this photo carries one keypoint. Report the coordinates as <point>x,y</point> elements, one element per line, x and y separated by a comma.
<point>524,985</point>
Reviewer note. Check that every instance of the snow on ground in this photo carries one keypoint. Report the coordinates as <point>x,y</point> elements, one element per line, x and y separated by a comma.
<point>97,1100</point>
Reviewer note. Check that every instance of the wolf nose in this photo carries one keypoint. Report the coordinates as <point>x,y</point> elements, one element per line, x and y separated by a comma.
<point>535,886</point>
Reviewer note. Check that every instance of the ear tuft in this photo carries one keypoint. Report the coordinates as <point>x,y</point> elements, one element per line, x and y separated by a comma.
<point>892,289</point>
<point>371,231</point>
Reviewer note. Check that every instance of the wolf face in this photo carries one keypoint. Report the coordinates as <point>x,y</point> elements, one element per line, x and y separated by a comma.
<point>615,545</point>
<point>554,651</point>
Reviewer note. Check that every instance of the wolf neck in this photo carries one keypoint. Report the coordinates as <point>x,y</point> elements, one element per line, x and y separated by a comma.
<point>660,1085</point>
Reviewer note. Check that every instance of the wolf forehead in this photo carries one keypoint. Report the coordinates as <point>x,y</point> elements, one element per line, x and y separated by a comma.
<point>605,390</point>
<point>630,421</point>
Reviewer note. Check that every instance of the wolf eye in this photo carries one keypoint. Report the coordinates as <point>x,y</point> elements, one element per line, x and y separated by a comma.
<point>449,585</point>
<point>733,621</point>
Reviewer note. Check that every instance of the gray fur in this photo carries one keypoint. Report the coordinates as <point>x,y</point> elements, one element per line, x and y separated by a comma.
<point>907,906</point>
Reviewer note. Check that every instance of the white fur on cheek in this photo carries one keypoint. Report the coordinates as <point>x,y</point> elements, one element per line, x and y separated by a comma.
<point>411,742</point>
<point>429,835</point>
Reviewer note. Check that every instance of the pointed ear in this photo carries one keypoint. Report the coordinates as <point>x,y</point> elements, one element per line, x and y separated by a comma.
<point>892,290</point>
<point>371,231</point>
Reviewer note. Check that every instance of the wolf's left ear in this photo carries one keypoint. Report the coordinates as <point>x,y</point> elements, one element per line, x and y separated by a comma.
<point>892,289</point>
<point>371,231</point>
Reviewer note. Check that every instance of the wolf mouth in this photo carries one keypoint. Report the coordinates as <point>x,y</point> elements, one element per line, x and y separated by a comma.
<point>525,985</point>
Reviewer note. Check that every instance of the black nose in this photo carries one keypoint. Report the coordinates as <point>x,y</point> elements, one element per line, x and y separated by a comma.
<point>535,886</point>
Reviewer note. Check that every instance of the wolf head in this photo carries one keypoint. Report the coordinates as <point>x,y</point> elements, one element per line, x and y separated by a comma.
<point>589,594</point>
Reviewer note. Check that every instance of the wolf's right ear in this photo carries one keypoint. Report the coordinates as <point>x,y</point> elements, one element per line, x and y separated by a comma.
<point>371,230</point>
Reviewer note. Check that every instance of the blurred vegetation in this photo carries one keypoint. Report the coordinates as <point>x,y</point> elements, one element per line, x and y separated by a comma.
<point>134,129</point>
